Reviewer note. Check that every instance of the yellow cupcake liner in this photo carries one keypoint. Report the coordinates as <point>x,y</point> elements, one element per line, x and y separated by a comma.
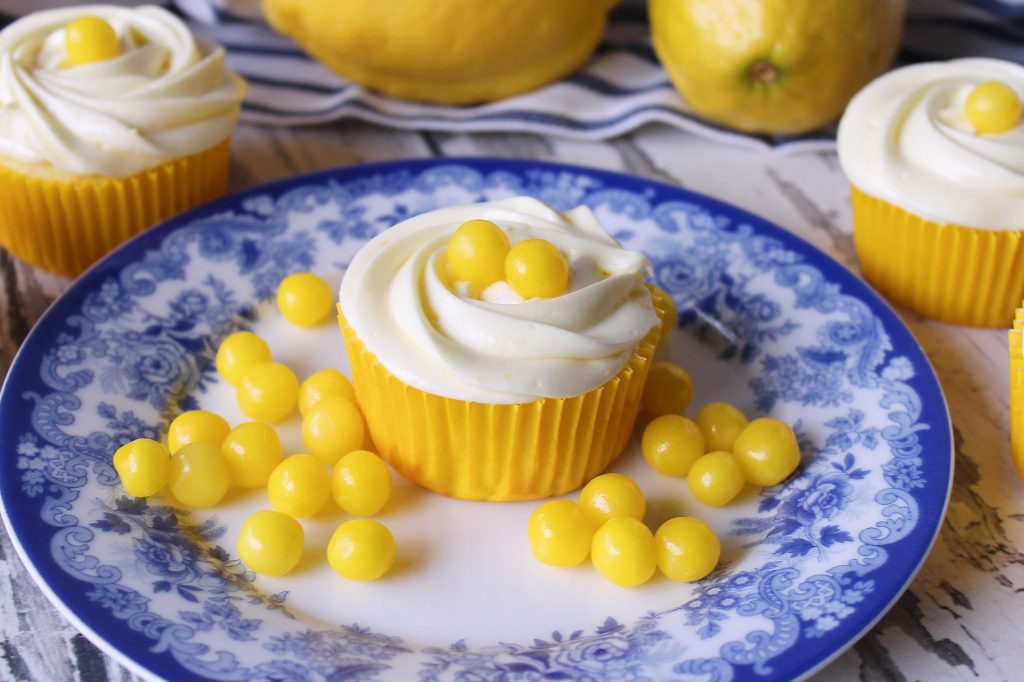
<point>64,224</point>
<point>947,272</point>
<point>1017,391</point>
<point>477,451</point>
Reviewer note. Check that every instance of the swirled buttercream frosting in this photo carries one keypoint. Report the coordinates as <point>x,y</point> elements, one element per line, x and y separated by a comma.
<point>498,348</point>
<point>906,140</point>
<point>166,96</point>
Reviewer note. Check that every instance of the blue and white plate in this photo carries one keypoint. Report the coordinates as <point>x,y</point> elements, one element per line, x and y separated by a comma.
<point>766,321</point>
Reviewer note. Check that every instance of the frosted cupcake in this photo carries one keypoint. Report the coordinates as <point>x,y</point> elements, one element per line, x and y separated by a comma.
<point>1017,390</point>
<point>485,395</point>
<point>111,119</point>
<point>936,167</point>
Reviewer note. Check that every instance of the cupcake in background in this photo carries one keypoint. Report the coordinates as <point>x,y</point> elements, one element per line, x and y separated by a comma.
<point>934,154</point>
<point>1017,391</point>
<point>499,384</point>
<point>111,120</point>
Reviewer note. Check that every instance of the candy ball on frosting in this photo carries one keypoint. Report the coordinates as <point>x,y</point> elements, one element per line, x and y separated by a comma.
<point>90,39</point>
<point>476,253</point>
<point>535,268</point>
<point>993,107</point>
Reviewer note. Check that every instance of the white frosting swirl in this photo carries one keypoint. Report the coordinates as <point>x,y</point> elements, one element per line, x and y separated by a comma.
<point>166,96</point>
<point>500,349</point>
<point>905,139</point>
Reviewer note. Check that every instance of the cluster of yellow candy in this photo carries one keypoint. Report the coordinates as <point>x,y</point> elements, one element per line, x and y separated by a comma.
<point>204,456</point>
<point>721,450</point>
<point>480,253</point>
<point>993,107</point>
<point>607,524</point>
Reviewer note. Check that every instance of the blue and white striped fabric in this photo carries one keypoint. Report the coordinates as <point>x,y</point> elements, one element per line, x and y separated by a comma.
<point>620,89</point>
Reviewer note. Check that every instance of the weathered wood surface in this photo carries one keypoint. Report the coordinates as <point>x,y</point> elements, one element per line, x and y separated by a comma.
<point>960,620</point>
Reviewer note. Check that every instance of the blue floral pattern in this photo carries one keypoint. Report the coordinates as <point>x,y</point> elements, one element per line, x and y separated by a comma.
<point>137,336</point>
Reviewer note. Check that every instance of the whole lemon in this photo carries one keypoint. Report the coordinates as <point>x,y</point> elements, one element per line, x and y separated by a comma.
<point>774,66</point>
<point>447,51</point>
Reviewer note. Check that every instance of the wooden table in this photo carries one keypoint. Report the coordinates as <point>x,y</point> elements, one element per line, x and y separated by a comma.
<point>958,621</point>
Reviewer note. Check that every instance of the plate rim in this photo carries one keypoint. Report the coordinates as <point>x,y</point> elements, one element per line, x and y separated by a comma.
<point>129,250</point>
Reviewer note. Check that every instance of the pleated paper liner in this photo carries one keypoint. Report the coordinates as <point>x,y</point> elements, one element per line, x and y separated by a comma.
<point>477,451</point>
<point>1017,391</point>
<point>951,273</point>
<point>64,223</point>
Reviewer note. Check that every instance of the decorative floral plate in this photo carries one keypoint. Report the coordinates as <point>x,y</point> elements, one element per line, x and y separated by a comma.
<point>766,321</point>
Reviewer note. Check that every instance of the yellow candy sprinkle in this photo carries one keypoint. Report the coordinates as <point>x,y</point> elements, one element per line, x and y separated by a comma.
<point>716,478</point>
<point>768,451</point>
<point>268,392</point>
<point>535,268</point>
<point>144,466</point>
<point>669,389</point>
<point>90,39</point>
<point>196,426</point>
<point>299,486</point>
<point>559,533</point>
<point>362,549</point>
<point>476,253</point>
<point>271,542</point>
<point>199,475</point>
<point>321,384</point>
<point>687,549</point>
<point>361,483</point>
<point>623,551</point>
<point>609,496</point>
<point>332,428</point>
<point>239,352</point>
<point>993,107</point>
<point>304,299</point>
<point>252,450</point>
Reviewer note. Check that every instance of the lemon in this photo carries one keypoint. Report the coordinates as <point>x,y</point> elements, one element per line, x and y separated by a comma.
<point>447,51</point>
<point>774,66</point>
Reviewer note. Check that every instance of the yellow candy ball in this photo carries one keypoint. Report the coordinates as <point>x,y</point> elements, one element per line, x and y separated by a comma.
<point>270,542</point>
<point>720,423</point>
<point>332,428</point>
<point>361,483</point>
<point>609,496</point>
<point>144,466</point>
<point>299,486</point>
<point>669,389</point>
<point>623,551</point>
<point>687,549</point>
<point>362,549</point>
<point>324,383</point>
<point>199,475</point>
<point>238,353</point>
<point>252,450</point>
<point>716,478</point>
<point>304,299</point>
<point>196,426</point>
<point>90,39</point>
<point>560,533</point>
<point>768,451</point>
<point>268,392</point>
<point>665,305</point>
<point>993,107</point>
<point>476,253</point>
<point>671,444</point>
<point>535,268</point>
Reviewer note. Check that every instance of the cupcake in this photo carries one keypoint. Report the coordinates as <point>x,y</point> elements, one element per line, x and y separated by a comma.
<point>111,119</point>
<point>1017,390</point>
<point>935,158</point>
<point>482,394</point>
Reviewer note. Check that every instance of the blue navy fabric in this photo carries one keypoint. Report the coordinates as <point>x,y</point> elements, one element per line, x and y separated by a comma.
<point>620,89</point>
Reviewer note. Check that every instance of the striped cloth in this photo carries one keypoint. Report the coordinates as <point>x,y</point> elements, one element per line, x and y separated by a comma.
<point>621,88</point>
